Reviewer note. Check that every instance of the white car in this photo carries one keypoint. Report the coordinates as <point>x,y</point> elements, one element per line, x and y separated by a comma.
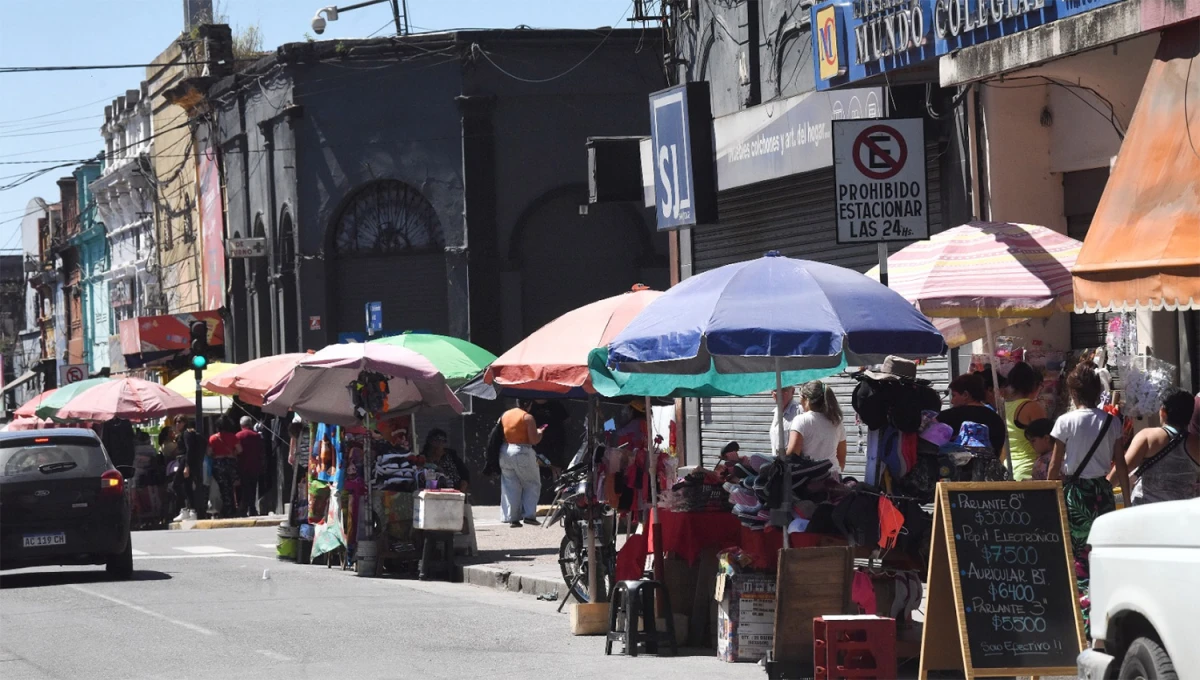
<point>1145,597</point>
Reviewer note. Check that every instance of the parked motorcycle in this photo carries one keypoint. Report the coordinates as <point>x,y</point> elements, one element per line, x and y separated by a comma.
<point>572,499</point>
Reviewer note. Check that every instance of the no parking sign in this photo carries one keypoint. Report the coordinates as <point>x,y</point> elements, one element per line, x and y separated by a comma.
<point>879,170</point>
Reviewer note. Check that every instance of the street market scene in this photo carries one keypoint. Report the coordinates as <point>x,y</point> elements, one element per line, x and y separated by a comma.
<point>523,338</point>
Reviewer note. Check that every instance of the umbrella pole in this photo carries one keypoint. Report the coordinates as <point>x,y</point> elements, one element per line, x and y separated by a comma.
<point>653,481</point>
<point>592,498</point>
<point>991,350</point>
<point>784,513</point>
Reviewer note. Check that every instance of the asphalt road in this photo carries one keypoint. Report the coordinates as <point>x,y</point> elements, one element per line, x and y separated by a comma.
<point>216,604</point>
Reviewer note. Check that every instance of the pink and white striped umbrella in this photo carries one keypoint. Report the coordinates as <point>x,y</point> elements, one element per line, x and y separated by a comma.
<point>985,271</point>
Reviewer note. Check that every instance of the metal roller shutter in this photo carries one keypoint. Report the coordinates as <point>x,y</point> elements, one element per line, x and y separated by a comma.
<point>794,215</point>
<point>412,289</point>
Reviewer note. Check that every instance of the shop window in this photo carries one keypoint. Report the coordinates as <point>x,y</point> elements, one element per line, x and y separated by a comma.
<point>387,217</point>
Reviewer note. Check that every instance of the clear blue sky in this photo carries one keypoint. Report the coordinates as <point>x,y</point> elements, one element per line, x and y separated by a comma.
<point>55,116</point>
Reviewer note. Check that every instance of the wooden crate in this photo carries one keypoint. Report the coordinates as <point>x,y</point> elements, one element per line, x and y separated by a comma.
<point>810,582</point>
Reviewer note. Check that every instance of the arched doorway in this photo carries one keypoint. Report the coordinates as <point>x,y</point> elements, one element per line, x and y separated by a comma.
<point>286,296</point>
<point>387,246</point>
<point>568,258</point>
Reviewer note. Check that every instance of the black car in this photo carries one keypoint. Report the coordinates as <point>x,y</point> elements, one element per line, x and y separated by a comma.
<point>62,502</point>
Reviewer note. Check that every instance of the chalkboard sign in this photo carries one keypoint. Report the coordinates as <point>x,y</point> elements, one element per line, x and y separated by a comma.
<point>1002,598</point>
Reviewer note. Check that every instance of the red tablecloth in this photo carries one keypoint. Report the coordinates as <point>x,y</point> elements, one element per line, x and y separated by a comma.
<point>687,534</point>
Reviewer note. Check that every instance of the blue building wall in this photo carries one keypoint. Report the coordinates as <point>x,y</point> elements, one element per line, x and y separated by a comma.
<point>92,247</point>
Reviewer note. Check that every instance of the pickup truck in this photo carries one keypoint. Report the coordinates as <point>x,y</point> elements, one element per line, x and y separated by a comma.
<point>1145,594</point>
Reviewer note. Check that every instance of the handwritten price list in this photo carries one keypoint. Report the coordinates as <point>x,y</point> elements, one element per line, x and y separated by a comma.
<point>1016,589</point>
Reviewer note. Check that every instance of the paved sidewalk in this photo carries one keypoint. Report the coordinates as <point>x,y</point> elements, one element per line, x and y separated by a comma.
<point>234,523</point>
<point>523,560</point>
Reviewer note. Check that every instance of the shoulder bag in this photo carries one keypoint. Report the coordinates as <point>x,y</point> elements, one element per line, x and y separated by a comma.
<point>1108,418</point>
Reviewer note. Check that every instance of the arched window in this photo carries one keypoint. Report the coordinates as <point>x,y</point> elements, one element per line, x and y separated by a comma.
<point>385,218</point>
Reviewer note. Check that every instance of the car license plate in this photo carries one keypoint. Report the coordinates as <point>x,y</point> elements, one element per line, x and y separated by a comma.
<point>40,540</point>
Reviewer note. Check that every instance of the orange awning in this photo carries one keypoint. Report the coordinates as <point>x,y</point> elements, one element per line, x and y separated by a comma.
<point>1143,248</point>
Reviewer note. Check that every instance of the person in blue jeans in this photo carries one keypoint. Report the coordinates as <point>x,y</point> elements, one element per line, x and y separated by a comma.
<point>520,479</point>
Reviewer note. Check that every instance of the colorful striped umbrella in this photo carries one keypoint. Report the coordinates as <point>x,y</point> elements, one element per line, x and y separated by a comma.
<point>456,359</point>
<point>127,398</point>
<point>29,408</point>
<point>965,277</point>
<point>49,406</point>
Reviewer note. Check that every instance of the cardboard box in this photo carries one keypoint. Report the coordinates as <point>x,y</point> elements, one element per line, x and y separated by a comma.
<point>745,617</point>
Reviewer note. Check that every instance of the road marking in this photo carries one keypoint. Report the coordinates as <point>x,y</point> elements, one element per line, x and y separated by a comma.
<point>268,546</point>
<point>204,550</point>
<point>139,553</point>
<point>142,610</point>
<point>274,655</point>
<point>195,557</point>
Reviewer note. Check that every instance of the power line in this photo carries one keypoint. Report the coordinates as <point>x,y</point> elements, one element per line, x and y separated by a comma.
<point>475,48</point>
<point>48,132</point>
<point>55,113</point>
<point>97,67</point>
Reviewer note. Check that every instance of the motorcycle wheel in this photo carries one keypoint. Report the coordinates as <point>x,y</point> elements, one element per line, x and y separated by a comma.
<point>573,562</point>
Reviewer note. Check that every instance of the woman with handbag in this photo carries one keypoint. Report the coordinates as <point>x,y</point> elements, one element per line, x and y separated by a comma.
<point>1166,460</point>
<point>1085,442</point>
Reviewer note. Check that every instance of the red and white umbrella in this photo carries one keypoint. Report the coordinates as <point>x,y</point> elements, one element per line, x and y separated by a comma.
<point>251,381</point>
<point>127,398</point>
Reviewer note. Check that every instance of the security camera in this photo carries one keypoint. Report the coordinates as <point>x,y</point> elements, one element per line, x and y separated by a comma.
<point>319,22</point>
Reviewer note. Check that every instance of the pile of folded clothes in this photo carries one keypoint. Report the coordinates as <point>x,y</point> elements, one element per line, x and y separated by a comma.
<point>399,471</point>
<point>756,485</point>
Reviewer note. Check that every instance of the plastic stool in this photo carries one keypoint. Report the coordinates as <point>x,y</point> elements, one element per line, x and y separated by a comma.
<point>854,647</point>
<point>632,600</point>
<point>437,556</point>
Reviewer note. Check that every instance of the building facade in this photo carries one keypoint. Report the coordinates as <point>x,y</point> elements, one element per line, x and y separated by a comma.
<point>91,289</point>
<point>125,196</point>
<point>27,356</point>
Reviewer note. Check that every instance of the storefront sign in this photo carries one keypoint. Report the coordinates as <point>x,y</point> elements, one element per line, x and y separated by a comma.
<point>878,36</point>
<point>879,173</point>
<point>212,230</point>
<point>681,135</point>
<point>1002,598</point>
<point>246,247</point>
<point>787,137</point>
<point>829,58</point>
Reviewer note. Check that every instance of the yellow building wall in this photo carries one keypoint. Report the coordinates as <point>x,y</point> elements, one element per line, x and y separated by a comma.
<point>177,212</point>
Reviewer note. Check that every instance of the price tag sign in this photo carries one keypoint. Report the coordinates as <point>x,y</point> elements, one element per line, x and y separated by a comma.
<point>1002,582</point>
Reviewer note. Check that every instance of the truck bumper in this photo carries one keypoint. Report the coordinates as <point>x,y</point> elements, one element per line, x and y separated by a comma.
<point>1094,665</point>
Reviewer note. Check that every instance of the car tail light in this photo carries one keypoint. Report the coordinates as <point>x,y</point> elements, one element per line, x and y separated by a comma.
<point>112,482</point>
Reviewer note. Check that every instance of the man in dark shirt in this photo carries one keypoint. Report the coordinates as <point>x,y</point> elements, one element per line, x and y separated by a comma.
<point>193,450</point>
<point>251,468</point>
<point>967,393</point>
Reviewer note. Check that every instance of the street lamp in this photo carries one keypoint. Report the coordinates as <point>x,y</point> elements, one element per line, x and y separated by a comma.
<point>331,14</point>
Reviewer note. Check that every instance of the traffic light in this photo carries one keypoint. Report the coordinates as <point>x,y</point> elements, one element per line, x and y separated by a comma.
<point>198,330</point>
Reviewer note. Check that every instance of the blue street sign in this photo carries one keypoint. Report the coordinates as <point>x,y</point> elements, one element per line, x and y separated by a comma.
<point>374,317</point>
<point>681,137</point>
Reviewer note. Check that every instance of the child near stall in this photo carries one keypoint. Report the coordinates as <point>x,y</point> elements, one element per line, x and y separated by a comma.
<point>1038,436</point>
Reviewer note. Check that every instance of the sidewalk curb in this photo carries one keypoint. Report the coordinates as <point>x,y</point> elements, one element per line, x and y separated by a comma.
<point>487,576</point>
<point>241,523</point>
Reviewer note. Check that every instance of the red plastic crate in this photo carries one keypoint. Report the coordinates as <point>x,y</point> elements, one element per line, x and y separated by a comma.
<point>854,647</point>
